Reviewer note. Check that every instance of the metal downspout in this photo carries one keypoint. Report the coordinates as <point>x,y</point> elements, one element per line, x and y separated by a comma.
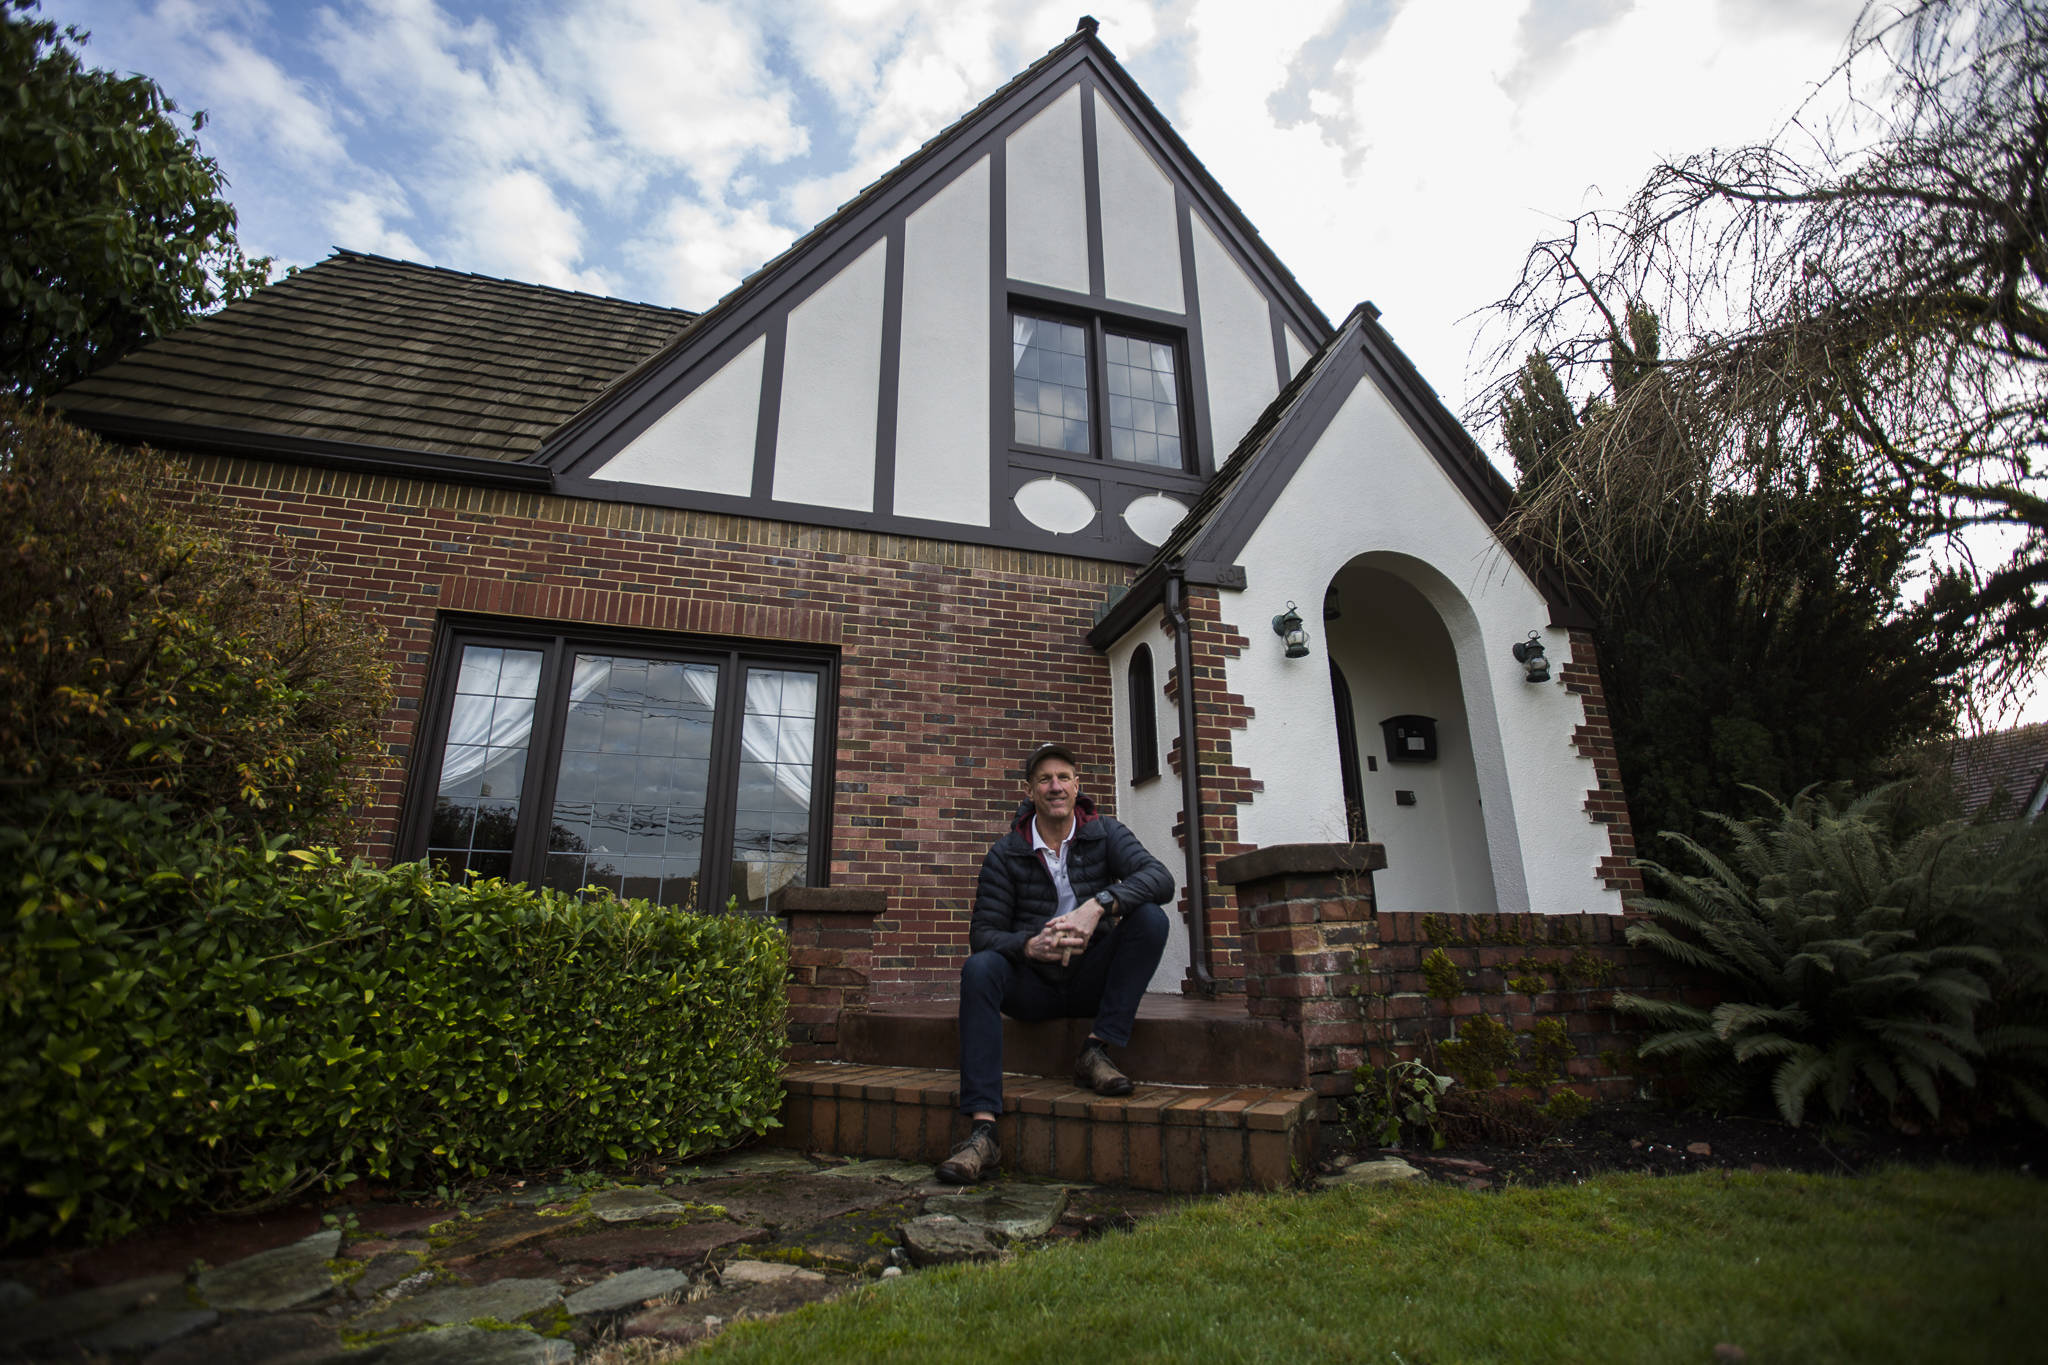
<point>1190,787</point>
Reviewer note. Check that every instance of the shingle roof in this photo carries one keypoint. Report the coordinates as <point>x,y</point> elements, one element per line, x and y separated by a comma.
<point>2006,767</point>
<point>365,350</point>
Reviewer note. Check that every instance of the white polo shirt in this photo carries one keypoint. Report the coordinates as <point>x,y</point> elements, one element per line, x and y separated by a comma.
<point>1055,860</point>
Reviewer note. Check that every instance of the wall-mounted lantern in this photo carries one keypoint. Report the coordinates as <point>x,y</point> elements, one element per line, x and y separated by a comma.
<point>1287,625</point>
<point>1529,654</point>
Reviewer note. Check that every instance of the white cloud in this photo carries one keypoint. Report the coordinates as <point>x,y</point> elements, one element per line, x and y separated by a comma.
<point>511,224</point>
<point>699,252</point>
<point>361,221</point>
<point>686,85</point>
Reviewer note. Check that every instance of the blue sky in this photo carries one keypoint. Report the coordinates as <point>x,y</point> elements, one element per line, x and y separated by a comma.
<point>659,149</point>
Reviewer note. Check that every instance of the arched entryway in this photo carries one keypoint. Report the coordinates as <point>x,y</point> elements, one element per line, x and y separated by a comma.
<point>1413,785</point>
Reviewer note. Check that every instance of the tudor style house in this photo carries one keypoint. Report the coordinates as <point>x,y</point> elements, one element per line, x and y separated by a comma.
<point>1034,438</point>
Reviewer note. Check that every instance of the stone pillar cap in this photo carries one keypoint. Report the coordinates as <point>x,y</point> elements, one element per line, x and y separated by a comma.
<point>1300,860</point>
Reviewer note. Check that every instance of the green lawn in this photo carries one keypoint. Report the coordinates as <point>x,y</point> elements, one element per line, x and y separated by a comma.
<point>1903,1266</point>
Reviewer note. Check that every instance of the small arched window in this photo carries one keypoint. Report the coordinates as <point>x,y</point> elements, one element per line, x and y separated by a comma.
<point>1144,717</point>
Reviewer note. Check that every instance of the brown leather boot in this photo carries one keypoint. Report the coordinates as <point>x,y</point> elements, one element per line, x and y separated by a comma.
<point>978,1158</point>
<point>1094,1071</point>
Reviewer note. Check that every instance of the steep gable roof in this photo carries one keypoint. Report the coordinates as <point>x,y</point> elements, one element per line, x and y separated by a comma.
<point>365,351</point>
<point>841,233</point>
<point>1207,541</point>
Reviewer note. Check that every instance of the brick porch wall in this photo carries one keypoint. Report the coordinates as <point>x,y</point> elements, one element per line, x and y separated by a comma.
<point>1322,959</point>
<point>953,658</point>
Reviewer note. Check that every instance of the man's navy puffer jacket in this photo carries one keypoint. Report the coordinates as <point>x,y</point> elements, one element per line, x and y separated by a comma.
<point>1016,895</point>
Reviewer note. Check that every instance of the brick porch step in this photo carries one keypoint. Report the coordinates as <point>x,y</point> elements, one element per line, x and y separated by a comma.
<point>1178,1041</point>
<point>1180,1139</point>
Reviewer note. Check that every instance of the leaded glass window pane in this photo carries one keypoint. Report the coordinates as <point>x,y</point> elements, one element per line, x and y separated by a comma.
<point>483,763</point>
<point>771,842</point>
<point>634,778</point>
<point>1144,408</point>
<point>1050,388</point>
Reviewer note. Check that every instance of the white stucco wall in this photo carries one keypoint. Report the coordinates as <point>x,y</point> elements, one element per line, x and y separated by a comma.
<point>1140,237</point>
<point>706,442</point>
<point>942,385</point>
<point>1297,353</point>
<point>1237,342</point>
<point>1370,486</point>
<point>1151,808</point>
<point>831,375</point>
<point>1045,198</point>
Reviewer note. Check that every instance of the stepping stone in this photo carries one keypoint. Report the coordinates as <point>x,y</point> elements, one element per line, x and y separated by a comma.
<point>278,1339</point>
<point>504,1300</point>
<point>662,1242</point>
<point>764,1272</point>
<point>280,1278</point>
<point>799,1200</point>
<point>901,1172</point>
<point>500,1232</point>
<point>683,1324</point>
<point>1018,1212</point>
<point>625,1290</point>
<point>149,1328</point>
<point>393,1267</point>
<point>632,1205</point>
<point>766,1161</point>
<point>87,1309</point>
<point>530,1198</point>
<point>941,1239</point>
<point>1386,1171</point>
<point>474,1346</point>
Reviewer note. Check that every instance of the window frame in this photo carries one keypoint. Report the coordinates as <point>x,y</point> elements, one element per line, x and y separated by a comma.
<point>558,643</point>
<point>1098,324</point>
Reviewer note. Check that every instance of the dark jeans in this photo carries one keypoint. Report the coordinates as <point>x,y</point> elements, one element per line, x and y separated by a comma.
<point>1106,985</point>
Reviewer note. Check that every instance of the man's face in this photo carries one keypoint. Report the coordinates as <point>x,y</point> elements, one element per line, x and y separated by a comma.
<point>1054,787</point>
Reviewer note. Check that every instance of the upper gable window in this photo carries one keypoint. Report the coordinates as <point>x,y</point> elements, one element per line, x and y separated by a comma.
<point>1089,387</point>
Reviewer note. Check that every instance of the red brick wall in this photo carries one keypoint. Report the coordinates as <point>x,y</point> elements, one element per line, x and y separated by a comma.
<point>954,659</point>
<point>1595,739</point>
<point>1353,979</point>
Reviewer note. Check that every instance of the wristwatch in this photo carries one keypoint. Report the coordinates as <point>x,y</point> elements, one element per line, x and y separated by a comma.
<point>1107,900</point>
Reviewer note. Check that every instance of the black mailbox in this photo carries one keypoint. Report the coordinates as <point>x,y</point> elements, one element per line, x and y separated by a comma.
<point>1410,739</point>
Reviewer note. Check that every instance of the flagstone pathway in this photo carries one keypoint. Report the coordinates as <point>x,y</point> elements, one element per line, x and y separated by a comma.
<point>544,1275</point>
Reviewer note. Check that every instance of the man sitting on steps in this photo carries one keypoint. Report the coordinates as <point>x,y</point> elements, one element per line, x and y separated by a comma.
<point>1066,925</point>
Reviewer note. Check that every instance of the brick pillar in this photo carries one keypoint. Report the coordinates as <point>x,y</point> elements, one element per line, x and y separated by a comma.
<point>1307,917</point>
<point>831,953</point>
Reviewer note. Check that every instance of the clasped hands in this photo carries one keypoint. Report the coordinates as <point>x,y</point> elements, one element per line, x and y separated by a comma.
<point>1063,934</point>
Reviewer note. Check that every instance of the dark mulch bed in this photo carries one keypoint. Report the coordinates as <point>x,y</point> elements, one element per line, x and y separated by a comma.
<point>1645,1137</point>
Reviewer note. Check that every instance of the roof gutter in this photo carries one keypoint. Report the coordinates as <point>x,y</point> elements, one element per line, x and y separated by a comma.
<point>365,459</point>
<point>1195,882</point>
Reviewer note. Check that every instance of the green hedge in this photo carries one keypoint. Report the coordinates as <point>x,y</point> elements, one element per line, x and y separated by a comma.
<point>184,1023</point>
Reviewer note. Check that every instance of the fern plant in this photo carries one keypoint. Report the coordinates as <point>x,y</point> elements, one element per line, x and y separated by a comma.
<point>1861,968</point>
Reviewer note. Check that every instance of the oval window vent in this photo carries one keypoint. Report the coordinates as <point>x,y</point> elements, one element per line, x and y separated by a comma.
<point>1055,505</point>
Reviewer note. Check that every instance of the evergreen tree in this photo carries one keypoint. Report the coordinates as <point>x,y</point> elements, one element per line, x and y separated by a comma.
<point>1753,639</point>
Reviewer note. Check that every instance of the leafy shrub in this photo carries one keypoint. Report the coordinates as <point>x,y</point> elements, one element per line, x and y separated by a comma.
<point>152,643</point>
<point>1398,1099</point>
<point>185,1022</point>
<point>1883,972</point>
